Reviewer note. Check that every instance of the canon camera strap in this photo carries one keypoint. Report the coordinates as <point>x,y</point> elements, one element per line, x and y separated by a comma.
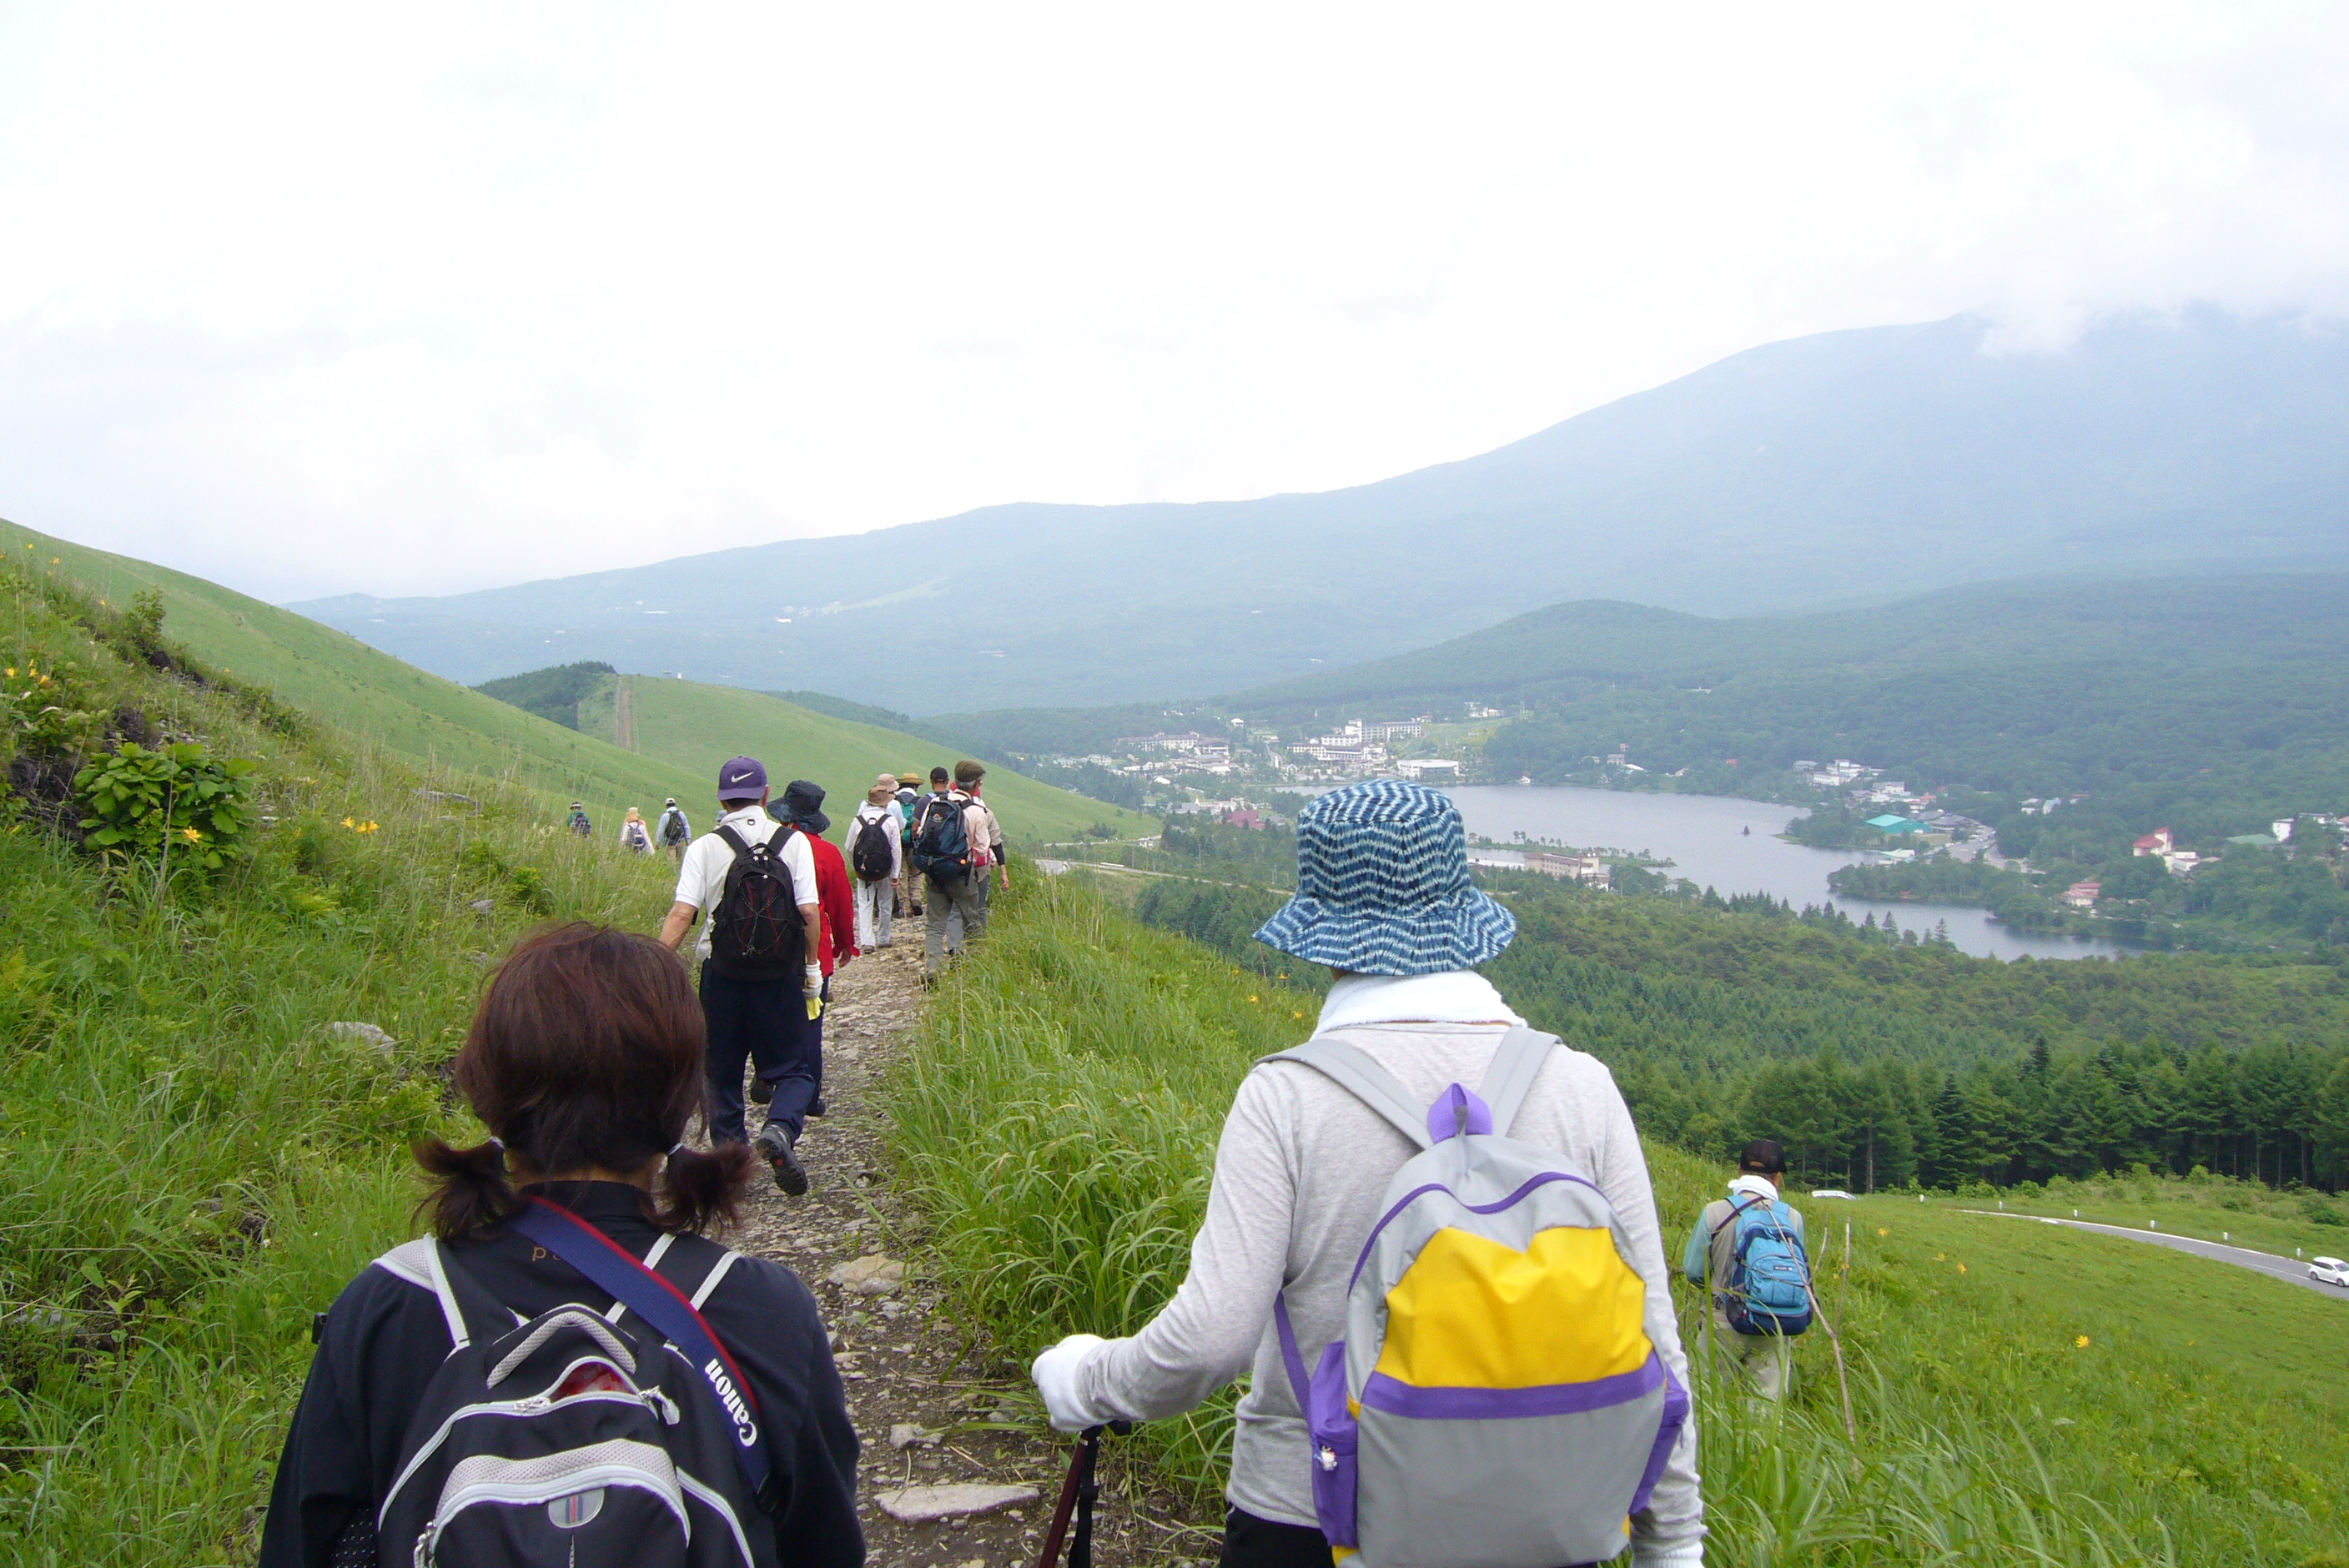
<point>613,1269</point>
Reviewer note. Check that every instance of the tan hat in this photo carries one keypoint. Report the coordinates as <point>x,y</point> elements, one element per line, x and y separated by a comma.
<point>910,780</point>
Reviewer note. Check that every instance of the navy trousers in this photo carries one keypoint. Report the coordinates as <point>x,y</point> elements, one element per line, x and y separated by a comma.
<point>763,1022</point>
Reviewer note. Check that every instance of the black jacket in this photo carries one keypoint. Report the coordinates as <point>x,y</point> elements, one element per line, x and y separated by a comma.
<point>385,1337</point>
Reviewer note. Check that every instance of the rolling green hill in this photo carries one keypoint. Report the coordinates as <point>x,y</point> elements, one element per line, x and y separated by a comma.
<point>680,741</point>
<point>695,727</point>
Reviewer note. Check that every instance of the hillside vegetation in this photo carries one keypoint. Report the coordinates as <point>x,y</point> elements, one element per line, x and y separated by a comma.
<point>2023,1396</point>
<point>1881,1059</point>
<point>196,1159</point>
<point>434,723</point>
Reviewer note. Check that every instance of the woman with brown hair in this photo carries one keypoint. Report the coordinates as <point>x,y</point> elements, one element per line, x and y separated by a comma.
<point>584,1061</point>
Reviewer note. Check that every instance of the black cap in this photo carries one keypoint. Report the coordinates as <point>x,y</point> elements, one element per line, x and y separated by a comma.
<point>1763,1157</point>
<point>802,803</point>
<point>939,775</point>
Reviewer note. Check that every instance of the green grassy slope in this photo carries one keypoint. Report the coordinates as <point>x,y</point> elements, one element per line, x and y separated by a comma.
<point>680,738</point>
<point>339,679</point>
<point>695,727</point>
<point>192,1160</point>
<point>2021,1395</point>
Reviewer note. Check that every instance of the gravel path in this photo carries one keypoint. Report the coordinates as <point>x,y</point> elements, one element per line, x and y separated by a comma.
<point>907,1364</point>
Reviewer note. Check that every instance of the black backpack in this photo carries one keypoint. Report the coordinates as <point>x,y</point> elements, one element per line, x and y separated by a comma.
<point>673,829</point>
<point>755,931</point>
<point>942,839</point>
<point>869,853</point>
<point>573,1440</point>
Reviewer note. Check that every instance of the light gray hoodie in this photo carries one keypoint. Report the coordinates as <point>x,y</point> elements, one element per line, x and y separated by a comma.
<point>1299,1175</point>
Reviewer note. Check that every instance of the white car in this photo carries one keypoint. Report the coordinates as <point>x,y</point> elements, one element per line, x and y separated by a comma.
<point>1830,1193</point>
<point>2328,1271</point>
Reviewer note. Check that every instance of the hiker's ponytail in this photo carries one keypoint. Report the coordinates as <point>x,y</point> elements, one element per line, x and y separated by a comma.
<point>701,1187</point>
<point>469,1191</point>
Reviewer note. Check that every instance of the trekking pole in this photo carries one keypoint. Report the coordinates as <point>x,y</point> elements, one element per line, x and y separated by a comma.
<point>1078,1490</point>
<point>1819,1311</point>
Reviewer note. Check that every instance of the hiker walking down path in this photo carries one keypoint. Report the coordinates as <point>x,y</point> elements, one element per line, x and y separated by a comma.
<point>1748,1250</point>
<point>577,821</point>
<point>1512,1373</point>
<point>673,832</point>
<point>948,827</point>
<point>877,854</point>
<point>634,836</point>
<point>762,968</point>
<point>408,1444</point>
<point>802,808</point>
<point>987,836</point>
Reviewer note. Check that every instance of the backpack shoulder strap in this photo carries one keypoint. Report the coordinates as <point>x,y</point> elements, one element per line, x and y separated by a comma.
<point>471,1312</point>
<point>1508,1079</point>
<point>672,1315</point>
<point>1367,1082</point>
<point>734,840</point>
<point>1736,1209</point>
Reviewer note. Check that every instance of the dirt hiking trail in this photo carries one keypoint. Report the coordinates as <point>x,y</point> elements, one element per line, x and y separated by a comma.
<point>937,1404</point>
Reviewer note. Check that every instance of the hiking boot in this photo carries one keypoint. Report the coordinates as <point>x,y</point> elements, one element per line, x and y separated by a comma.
<point>774,1146</point>
<point>763,1091</point>
<point>816,1106</point>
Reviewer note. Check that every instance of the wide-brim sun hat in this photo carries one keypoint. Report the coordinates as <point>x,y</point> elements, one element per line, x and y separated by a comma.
<point>1382,886</point>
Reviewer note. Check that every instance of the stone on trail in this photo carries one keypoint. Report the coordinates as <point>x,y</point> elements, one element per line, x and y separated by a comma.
<point>904,1435</point>
<point>955,1499</point>
<point>872,1274</point>
<point>366,1034</point>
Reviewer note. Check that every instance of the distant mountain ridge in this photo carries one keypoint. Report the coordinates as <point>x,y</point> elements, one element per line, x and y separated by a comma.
<point>1838,468</point>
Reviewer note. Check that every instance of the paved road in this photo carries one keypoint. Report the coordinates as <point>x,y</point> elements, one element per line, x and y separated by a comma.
<point>2290,1269</point>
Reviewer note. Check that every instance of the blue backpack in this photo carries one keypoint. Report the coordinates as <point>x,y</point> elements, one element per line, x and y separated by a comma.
<point>1768,1291</point>
<point>941,838</point>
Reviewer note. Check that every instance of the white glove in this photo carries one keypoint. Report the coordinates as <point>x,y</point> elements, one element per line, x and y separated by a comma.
<point>1055,1372</point>
<point>815,979</point>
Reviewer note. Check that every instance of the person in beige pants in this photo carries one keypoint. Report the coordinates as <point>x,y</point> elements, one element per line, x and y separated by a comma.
<point>1758,1360</point>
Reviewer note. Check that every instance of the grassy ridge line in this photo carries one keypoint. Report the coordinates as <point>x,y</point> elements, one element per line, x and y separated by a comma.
<point>1056,1125</point>
<point>433,721</point>
<point>193,1163</point>
<point>698,726</point>
<point>349,685</point>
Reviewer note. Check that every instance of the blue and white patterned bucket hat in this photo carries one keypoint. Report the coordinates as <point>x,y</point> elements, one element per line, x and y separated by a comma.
<point>1382,886</point>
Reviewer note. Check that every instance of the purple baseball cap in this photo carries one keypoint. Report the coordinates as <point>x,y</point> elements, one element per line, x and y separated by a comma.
<point>742,778</point>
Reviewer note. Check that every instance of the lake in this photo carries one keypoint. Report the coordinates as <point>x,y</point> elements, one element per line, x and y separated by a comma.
<point>1703,836</point>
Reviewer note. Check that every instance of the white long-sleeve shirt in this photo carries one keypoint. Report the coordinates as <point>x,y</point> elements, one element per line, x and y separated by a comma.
<point>1299,1175</point>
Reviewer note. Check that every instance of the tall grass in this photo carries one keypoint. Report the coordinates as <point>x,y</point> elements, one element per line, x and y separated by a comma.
<point>1056,1125</point>
<point>191,1164</point>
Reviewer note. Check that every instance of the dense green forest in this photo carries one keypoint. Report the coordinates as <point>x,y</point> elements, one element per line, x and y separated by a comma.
<point>552,693</point>
<point>1883,1058</point>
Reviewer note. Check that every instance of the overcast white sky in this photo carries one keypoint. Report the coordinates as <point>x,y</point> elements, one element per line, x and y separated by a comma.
<point>413,300</point>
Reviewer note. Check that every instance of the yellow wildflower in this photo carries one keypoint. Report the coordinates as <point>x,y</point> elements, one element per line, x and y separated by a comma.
<point>2081,1343</point>
<point>1251,998</point>
<point>348,824</point>
<point>1962,1268</point>
<point>193,836</point>
<point>1882,1232</point>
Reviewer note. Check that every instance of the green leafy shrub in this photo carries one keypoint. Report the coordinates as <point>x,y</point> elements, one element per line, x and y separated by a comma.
<point>42,712</point>
<point>140,799</point>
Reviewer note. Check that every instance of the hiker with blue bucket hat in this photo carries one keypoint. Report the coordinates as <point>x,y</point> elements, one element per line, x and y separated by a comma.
<point>1431,1246</point>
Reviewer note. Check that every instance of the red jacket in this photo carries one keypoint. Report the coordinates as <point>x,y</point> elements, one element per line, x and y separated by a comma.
<point>836,904</point>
